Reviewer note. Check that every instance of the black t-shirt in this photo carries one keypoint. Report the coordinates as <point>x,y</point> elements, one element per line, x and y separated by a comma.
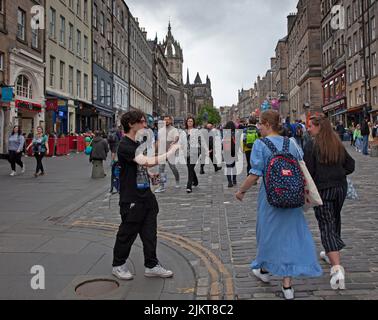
<point>128,175</point>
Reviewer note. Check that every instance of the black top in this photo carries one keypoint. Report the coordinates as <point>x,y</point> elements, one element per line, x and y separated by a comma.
<point>365,130</point>
<point>128,176</point>
<point>327,176</point>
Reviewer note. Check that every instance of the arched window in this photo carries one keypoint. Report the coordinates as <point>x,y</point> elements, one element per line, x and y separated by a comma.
<point>171,106</point>
<point>24,87</point>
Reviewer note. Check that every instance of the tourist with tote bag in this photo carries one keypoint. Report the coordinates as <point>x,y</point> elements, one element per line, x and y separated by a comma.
<point>312,196</point>
<point>329,163</point>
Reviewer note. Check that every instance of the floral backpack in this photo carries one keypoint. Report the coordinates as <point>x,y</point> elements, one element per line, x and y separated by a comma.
<point>284,180</point>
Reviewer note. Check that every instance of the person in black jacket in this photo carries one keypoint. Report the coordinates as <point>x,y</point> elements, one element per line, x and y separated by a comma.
<point>329,163</point>
<point>99,154</point>
<point>365,131</point>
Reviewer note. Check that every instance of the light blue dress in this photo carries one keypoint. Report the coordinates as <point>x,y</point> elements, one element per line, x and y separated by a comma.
<point>285,246</point>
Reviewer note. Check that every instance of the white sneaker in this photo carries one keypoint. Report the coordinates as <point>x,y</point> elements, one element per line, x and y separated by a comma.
<point>337,278</point>
<point>177,185</point>
<point>160,190</point>
<point>13,173</point>
<point>288,293</point>
<point>324,257</point>
<point>122,273</point>
<point>263,277</point>
<point>158,271</point>
<point>23,169</point>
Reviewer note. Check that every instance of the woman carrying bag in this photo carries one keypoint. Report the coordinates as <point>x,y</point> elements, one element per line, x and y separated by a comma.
<point>329,163</point>
<point>40,146</point>
<point>285,247</point>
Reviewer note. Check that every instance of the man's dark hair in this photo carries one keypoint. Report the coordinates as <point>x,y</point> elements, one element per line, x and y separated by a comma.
<point>131,118</point>
<point>252,121</point>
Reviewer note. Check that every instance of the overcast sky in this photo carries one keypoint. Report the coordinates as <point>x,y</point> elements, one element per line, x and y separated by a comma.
<point>229,40</point>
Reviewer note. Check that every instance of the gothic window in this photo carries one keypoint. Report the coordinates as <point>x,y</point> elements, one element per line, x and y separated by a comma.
<point>24,87</point>
<point>171,106</point>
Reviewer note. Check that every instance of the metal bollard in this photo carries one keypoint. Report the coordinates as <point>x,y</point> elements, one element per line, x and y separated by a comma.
<point>98,169</point>
<point>374,151</point>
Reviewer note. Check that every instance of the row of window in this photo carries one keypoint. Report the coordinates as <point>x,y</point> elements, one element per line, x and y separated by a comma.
<point>72,46</point>
<point>356,70</point>
<point>104,97</point>
<point>98,20</point>
<point>62,79</point>
<point>22,30</point>
<point>139,101</point>
<point>81,6</point>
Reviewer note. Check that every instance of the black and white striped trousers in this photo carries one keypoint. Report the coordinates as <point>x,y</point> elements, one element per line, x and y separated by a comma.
<point>329,217</point>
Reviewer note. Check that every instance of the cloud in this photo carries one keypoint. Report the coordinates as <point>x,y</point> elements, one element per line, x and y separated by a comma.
<point>229,40</point>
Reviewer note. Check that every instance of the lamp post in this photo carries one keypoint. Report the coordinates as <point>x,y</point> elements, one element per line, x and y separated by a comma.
<point>306,107</point>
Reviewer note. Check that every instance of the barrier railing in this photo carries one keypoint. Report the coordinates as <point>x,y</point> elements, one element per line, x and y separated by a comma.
<point>61,146</point>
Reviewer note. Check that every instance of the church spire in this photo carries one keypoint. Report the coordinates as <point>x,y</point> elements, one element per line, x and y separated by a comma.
<point>187,78</point>
<point>198,79</point>
<point>169,29</point>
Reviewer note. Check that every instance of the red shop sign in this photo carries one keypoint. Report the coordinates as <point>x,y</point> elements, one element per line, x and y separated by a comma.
<point>35,107</point>
<point>52,105</point>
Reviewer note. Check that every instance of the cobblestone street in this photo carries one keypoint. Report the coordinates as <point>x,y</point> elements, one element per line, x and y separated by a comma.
<point>216,236</point>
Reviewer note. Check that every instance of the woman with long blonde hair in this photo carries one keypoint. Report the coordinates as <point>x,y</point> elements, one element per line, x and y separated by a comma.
<point>329,163</point>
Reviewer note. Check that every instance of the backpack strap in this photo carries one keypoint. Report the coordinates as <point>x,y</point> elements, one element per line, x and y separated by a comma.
<point>270,145</point>
<point>286,145</point>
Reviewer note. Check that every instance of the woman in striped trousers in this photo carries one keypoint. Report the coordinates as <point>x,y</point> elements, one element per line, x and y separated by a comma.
<point>329,163</point>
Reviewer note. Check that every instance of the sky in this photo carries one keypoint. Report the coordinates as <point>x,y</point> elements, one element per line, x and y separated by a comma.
<point>232,41</point>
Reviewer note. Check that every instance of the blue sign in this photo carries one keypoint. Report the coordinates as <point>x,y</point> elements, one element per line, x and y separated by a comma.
<point>7,94</point>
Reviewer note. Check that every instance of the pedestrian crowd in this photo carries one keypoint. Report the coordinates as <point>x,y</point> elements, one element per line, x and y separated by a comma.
<point>285,157</point>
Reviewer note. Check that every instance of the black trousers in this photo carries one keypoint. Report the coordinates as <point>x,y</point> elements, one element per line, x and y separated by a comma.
<point>15,158</point>
<point>192,176</point>
<point>137,218</point>
<point>39,157</point>
<point>231,173</point>
<point>329,217</point>
<point>211,156</point>
<point>248,155</point>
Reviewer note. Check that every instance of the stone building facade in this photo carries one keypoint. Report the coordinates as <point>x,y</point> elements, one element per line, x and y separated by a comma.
<point>280,77</point>
<point>334,80</point>
<point>160,79</point>
<point>183,99</point>
<point>21,68</point>
<point>68,65</point>
<point>140,68</point>
<point>304,67</point>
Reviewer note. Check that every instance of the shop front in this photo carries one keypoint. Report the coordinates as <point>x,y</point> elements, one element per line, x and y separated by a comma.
<point>86,118</point>
<point>356,114</point>
<point>334,97</point>
<point>29,116</point>
<point>57,119</point>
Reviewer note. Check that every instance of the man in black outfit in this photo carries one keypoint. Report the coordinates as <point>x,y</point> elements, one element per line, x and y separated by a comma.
<point>211,149</point>
<point>340,129</point>
<point>139,208</point>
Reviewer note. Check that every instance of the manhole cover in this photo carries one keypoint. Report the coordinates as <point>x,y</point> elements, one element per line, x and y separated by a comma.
<point>95,288</point>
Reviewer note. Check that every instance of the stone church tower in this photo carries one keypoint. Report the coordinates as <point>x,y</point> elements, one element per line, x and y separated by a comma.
<point>183,99</point>
<point>173,52</point>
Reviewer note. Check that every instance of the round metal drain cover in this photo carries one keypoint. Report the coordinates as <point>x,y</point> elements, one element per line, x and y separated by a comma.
<point>95,288</point>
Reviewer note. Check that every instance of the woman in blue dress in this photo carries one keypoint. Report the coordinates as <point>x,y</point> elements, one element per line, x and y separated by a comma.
<point>285,244</point>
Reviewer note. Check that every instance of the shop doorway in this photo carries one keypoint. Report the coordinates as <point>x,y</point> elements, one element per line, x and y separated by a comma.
<point>27,126</point>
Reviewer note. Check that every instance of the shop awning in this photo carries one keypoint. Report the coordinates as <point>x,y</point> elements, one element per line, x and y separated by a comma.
<point>340,113</point>
<point>356,109</point>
